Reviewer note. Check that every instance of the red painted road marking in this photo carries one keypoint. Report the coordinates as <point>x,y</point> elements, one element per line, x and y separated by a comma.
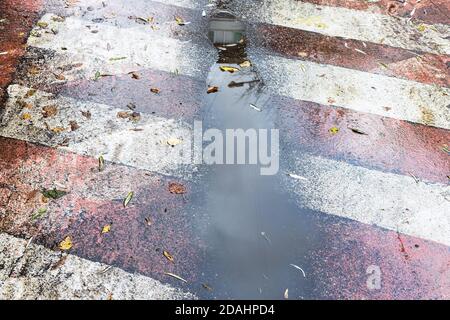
<point>429,11</point>
<point>416,269</point>
<point>19,17</point>
<point>95,200</point>
<point>374,58</point>
<point>420,271</point>
<point>390,145</point>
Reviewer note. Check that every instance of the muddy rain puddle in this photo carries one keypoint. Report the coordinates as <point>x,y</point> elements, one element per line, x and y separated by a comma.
<point>257,239</point>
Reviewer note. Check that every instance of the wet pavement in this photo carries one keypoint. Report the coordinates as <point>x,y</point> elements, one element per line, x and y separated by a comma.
<point>363,121</point>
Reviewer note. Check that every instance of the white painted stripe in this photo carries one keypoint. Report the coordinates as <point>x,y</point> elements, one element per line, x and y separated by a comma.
<point>113,50</point>
<point>356,90</point>
<point>76,278</point>
<point>104,134</point>
<point>390,201</point>
<point>352,24</point>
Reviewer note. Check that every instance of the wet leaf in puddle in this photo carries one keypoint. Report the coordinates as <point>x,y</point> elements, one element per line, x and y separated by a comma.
<point>245,64</point>
<point>176,188</point>
<point>228,69</point>
<point>295,176</point>
<point>106,229</point>
<point>298,268</point>
<point>53,194</point>
<point>207,287</point>
<point>127,200</point>
<point>169,256</point>
<point>155,90</point>
<point>66,244</point>
<point>173,142</point>
<point>212,89</point>
<point>175,276</point>
<point>358,131</point>
<point>255,107</point>
<point>334,130</point>
<point>101,163</point>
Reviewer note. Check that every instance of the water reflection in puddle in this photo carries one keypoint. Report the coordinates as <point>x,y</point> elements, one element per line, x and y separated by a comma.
<point>253,232</point>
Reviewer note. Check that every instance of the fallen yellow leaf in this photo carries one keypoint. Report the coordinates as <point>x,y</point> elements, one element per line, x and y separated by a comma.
<point>66,244</point>
<point>334,130</point>
<point>106,228</point>
<point>168,256</point>
<point>229,69</point>
<point>26,116</point>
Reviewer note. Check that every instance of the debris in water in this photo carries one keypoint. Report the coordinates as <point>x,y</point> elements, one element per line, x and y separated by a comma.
<point>295,176</point>
<point>212,89</point>
<point>207,287</point>
<point>358,131</point>
<point>228,69</point>
<point>175,276</point>
<point>263,234</point>
<point>297,267</point>
<point>255,107</point>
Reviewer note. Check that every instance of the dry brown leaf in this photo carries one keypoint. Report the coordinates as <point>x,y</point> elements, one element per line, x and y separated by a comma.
<point>49,111</point>
<point>212,89</point>
<point>176,188</point>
